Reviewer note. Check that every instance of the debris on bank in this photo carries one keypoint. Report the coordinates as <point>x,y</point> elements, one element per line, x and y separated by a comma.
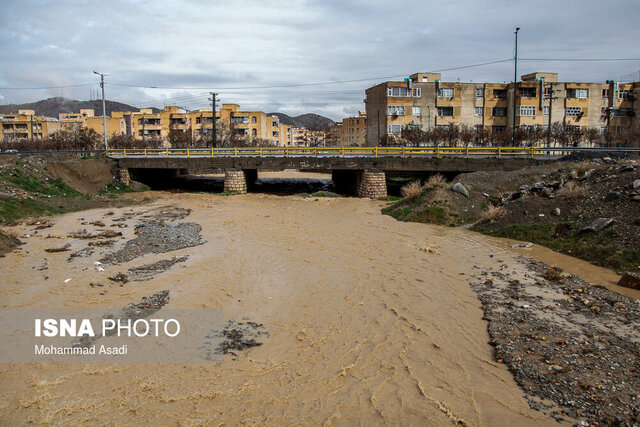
<point>239,336</point>
<point>566,341</point>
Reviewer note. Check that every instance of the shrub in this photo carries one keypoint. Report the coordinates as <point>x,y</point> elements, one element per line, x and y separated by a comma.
<point>572,189</point>
<point>411,190</point>
<point>492,213</point>
<point>435,181</point>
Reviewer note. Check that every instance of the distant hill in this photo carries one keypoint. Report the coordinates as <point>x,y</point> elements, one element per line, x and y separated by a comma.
<point>309,121</point>
<point>51,107</point>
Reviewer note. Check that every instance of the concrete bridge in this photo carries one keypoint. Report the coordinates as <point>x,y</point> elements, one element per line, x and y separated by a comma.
<point>355,170</point>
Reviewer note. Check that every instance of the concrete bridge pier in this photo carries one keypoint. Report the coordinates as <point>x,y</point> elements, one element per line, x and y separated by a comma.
<point>239,180</point>
<point>124,176</point>
<point>371,184</point>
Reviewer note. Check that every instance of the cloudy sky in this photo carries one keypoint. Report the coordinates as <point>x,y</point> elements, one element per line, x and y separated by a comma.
<point>242,48</point>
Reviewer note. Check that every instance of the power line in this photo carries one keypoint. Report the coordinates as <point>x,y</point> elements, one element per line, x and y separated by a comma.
<point>306,84</point>
<point>46,87</point>
<point>580,59</point>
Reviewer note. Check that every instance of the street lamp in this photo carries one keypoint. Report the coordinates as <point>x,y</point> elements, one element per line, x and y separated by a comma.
<point>515,87</point>
<point>104,111</point>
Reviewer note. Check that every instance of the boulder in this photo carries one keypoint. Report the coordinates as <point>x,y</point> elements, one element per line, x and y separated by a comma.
<point>556,212</point>
<point>636,184</point>
<point>458,187</point>
<point>630,280</point>
<point>612,195</point>
<point>626,168</point>
<point>598,224</point>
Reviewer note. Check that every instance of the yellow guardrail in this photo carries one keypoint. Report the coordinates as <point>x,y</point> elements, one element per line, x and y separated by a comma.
<point>403,152</point>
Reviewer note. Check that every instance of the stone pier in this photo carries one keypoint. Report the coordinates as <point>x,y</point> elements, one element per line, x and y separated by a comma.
<point>123,176</point>
<point>239,180</point>
<point>371,184</point>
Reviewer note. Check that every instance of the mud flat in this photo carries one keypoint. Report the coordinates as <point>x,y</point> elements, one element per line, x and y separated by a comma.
<point>369,320</point>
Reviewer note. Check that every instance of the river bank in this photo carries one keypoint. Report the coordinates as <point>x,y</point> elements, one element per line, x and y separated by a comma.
<point>368,319</point>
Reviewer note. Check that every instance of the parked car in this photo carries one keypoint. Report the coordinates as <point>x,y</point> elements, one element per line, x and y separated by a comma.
<point>12,150</point>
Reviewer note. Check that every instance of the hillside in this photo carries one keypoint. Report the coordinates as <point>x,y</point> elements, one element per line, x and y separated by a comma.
<point>310,121</point>
<point>51,107</point>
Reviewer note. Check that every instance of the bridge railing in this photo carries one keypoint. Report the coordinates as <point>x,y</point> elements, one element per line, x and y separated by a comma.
<point>530,152</point>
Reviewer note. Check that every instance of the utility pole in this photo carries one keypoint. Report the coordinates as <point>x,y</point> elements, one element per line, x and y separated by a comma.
<point>104,111</point>
<point>551,98</point>
<point>213,117</point>
<point>515,87</point>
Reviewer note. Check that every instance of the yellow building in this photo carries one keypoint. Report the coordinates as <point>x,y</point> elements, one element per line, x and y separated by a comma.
<point>423,101</point>
<point>354,130</point>
<point>87,119</point>
<point>26,125</point>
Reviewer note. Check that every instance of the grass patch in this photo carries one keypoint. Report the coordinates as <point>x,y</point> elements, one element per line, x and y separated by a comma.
<point>390,198</point>
<point>114,188</point>
<point>598,248</point>
<point>226,193</point>
<point>318,194</point>
<point>12,208</point>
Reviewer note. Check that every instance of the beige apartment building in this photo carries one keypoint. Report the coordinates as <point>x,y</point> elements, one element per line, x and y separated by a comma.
<point>26,125</point>
<point>351,131</point>
<point>248,124</point>
<point>425,102</point>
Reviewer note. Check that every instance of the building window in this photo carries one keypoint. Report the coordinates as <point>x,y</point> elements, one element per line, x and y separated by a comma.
<point>577,93</point>
<point>443,127</point>
<point>395,110</point>
<point>547,90</point>
<point>499,93</point>
<point>417,92</point>
<point>479,92</point>
<point>527,111</point>
<point>394,129</point>
<point>546,111</point>
<point>499,111</point>
<point>479,111</point>
<point>398,91</point>
<point>417,111</point>
<point>573,111</point>
<point>605,93</point>
<point>621,112</point>
<point>498,128</point>
<point>445,111</point>
<point>573,128</point>
<point>603,130</point>
<point>624,93</point>
<point>254,119</point>
<point>527,92</point>
<point>445,92</point>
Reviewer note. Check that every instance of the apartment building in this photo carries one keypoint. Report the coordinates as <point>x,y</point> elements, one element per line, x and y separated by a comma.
<point>425,102</point>
<point>26,125</point>
<point>87,119</point>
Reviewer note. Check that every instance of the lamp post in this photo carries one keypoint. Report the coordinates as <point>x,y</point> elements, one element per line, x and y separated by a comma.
<point>515,87</point>
<point>104,111</point>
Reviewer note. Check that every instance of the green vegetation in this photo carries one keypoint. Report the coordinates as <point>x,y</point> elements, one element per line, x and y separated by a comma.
<point>390,198</point>
<point>226,193</point>
<point>415,210</point>
<point>12,208</point>
<point>599,248</point>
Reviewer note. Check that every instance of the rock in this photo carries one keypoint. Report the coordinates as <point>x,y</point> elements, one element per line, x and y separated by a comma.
<point>635,198</point>
<point>598,224</point>
<point>458,187</point>
<point>626,168</point>
<point>556,212</point>
<point>630,280</point>
<point>588,173</point>
<point>516,195</point>
<point>557,184</point>
<point>598,161</point>
<point>636,184</point>
<point>612,195</point>
<point>608,160</point>
<point>546,192</point>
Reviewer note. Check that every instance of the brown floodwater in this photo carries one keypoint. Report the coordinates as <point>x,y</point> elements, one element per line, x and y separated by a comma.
<point>370,320</point>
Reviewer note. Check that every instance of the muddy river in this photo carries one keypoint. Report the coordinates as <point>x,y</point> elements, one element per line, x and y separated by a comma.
<point>370,320</point>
